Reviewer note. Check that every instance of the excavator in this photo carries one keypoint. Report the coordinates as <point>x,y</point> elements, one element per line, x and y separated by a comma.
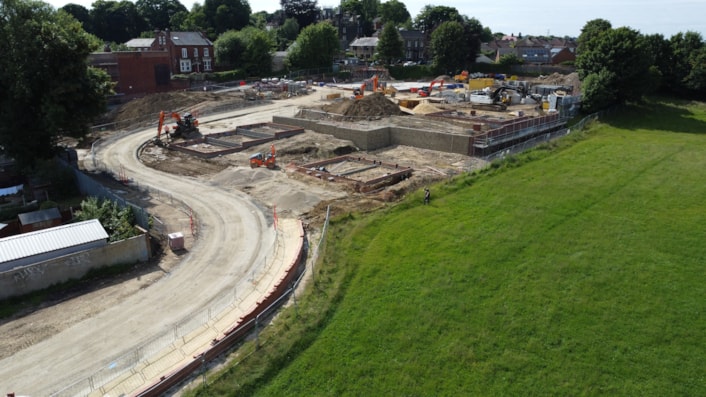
<point>426,92</point>
<point>184,126</point>
<point>359,92</point>
<point>498,100</point>
<point>268,160</point>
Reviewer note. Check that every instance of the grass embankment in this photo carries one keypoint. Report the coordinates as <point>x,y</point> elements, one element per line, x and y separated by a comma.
<point>576,269</point>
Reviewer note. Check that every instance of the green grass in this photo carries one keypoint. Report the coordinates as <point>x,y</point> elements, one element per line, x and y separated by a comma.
<point>575,269</point>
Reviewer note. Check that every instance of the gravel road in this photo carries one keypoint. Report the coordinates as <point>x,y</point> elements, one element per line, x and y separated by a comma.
<point>234,237</point>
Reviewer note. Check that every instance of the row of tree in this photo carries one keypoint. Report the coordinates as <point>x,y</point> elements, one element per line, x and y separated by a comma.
<point>618,65</point>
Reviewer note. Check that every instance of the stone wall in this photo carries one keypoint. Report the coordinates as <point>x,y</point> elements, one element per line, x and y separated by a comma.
<point>25,279</point>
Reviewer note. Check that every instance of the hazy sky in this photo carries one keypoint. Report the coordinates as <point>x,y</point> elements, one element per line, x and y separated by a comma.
<point>542,17</point>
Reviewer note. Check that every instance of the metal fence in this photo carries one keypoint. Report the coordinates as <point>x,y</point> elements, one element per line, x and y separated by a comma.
<point>530,143</point>
<point>114,367</point>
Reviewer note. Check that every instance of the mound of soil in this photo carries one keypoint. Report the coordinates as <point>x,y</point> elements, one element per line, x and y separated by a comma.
<point>373,105</point>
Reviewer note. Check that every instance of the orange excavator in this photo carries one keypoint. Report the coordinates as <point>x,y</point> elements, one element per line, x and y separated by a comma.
<point>184,126</point>
<point>359,92</point>
<point>425,92</point>
<point>268,160</point>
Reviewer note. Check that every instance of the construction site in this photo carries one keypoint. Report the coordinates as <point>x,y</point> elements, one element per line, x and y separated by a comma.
<point>378,139</point>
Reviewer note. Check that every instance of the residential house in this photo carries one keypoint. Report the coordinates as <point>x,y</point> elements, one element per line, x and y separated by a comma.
<point>413,45</point>
<point>364,48</point>
<point>533,50</point>
<point>189,52</point>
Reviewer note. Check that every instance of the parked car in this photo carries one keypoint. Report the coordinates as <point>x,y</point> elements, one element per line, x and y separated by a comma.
<point>409,63</point>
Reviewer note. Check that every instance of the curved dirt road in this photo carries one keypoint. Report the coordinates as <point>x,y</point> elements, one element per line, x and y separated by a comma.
<point>234,239</point>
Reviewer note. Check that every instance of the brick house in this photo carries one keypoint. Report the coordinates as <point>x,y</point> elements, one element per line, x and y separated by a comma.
<point>189,52</point>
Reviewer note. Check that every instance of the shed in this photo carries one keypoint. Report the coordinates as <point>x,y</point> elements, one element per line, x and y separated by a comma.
<point>38,220</point>
<point>46,244</point>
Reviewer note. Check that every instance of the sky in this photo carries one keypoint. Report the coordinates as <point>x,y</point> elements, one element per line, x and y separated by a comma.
<point>543,17</point>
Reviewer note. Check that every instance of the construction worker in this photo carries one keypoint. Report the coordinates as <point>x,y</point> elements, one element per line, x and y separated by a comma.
<point>427,195</point>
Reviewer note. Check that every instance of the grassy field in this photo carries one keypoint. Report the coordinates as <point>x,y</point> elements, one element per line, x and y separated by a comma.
<point>577,269</point>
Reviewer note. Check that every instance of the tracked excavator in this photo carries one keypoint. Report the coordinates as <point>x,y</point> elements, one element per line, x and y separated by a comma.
<point>268,160</point>
<point>184,126</point>
<point>426,91</point>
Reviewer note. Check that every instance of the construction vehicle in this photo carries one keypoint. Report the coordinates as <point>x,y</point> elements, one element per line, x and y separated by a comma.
<point>494,101</point>
<point>183,128</point>
<point>268,160</point>
<point>358,93</point>
<point>461,77</point>
<point>426,91</point>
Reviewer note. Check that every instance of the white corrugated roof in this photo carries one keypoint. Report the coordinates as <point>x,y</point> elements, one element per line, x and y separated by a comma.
<point>140,43</point>
<point>52,239</point>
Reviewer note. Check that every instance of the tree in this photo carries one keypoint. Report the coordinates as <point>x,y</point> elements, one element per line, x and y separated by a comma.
<point>48,88</point>
<point>430,18</point>
<point>117,21</point>
<point>229,49</point>
<point>685,49</point>
<point>158,13</point>
<point>315,47</point>
<point>390,44</point>
<point>306,12</point>
<point>696,79</point>
<point>449,47</point>
<point>249,49</point>
<point>118,222</point>
<point>370,12</point>
<point>257,57</point>
<point>81,14</point>
<point>224,15</point>
<point>393,11</point>
<point>614,61</point>
<point>287,33</point>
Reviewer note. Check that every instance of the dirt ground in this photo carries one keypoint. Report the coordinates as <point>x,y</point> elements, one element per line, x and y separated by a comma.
<point>291,193</point>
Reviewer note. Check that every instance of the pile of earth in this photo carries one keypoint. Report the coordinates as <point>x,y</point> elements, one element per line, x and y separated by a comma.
<point>148,107</point>
<point>570,80</point>
<point>373,105</point>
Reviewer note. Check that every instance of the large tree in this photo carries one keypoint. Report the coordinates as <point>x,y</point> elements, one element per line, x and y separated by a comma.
<point>449,47</point>
<point>48,89</point>
<point>249,49</point>
<point>158,13</point>
<point>306,12</point>
<point>430,18</point>
<point>390,44</point>
<point>394,11</point>
<point>614,66</point>
<point>224,15</point>
<point>315,47</point>
<point>81,14</point>
<point>117,21</point>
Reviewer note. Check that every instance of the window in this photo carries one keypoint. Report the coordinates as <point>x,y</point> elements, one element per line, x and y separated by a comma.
<point>185,65</point>
<point>205,52</point>
<point>196,52</point>
<point>162,40</point>
<point>184,54</point>
<point>206,64</point>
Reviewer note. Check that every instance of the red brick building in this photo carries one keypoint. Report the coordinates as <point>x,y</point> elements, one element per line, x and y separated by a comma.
<point>149,66</point>
<point>189,52</point>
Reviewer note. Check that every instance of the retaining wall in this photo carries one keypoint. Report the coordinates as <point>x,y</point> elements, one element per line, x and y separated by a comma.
<point>385,136</point>
<point>25,279</point>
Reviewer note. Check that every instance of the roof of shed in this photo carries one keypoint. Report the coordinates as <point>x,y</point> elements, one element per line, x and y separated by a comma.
<point>140,43</point>
<point>52,239</point>
<point>39,216</point>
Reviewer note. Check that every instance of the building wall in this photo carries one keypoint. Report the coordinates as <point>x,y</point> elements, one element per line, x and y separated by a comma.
<point>37,276</point>
<point>143,72</point>
<point>386,136</point>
